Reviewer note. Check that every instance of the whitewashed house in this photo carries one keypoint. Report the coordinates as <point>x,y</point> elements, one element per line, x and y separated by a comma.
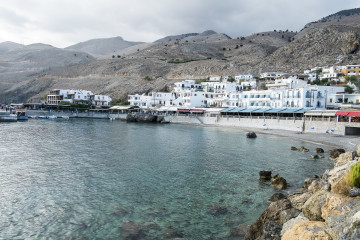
<point>71,96</point>
<point>187,85</point>
<point>243,77</point>
<point>152,99</point>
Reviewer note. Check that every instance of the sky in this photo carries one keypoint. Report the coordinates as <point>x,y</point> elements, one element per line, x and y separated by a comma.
<point>62,23</point>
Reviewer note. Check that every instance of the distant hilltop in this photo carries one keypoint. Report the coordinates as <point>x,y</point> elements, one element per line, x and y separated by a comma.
<point>117,67</point>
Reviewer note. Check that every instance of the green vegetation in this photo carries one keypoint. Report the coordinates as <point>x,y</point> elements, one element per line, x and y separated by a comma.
<point>348,89</point>
<point>201,80</point>
<point>323,82</point>
<point>263,86</point>
<point>353,177</point>
<point>231,79</point>
<point>119,102</point>
<point>76,105</point>
<point>148,78</point>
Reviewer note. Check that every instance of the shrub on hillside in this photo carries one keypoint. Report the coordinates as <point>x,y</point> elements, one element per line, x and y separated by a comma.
<point>353,178</point>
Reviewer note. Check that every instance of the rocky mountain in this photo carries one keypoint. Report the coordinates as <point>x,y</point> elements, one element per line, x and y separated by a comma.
<point>198,56</point>
<point>103,47</point>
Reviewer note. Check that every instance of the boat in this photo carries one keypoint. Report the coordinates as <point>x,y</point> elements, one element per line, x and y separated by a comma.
<point>7,117</point>
<point>22,115</point>
<point>52,117</point>
<point>43,117</point>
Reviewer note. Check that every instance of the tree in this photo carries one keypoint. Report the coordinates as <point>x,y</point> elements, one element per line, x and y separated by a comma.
<point>348,89</point>
<point>231,79</point>
<point>263,86</point>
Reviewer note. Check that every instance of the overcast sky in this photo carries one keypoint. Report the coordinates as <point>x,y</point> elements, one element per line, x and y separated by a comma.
<point>65,22</point>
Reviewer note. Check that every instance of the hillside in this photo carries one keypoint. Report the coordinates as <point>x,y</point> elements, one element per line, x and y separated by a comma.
<point>103,47</point>
<point>173,58</point>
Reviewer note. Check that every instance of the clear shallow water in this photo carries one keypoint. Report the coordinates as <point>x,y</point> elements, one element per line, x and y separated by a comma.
<point>82,178</point>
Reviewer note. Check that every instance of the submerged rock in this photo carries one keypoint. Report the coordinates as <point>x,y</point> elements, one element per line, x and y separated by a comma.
<point>315,156</point>
<point>294,148</point>
<point>265,175</point>
<point>131,230</point>
<point>278,182</point>
<point>251,135</point>
<point>304,149</point>
<point>216,210</point>
<point>171,233</point>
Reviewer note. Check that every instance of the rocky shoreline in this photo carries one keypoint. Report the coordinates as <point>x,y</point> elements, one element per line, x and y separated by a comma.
<point>324,208</point>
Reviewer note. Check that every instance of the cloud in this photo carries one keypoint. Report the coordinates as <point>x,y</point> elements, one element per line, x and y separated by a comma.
<point>66,22</point>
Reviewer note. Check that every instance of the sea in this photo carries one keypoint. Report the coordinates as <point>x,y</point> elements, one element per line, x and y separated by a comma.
<point>86,178</point>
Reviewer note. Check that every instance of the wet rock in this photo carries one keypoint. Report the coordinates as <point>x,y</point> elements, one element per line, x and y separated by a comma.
<point>277,196</point>
<point>216,210</point>
<point>278,182</point>
<point>251,135</point>
<point>312,207</point>
<point>294,148</point>
<point>307,230</point>
<point>131,230</point>
<point>272,231</point>
<point>272,213</point>
<point>304,149</point>
<point>315,156</point>
<point>335,153</point>
<point>265,175</point>
<point>354,192</point>
<point>172,233</point>
<point>319,150</point>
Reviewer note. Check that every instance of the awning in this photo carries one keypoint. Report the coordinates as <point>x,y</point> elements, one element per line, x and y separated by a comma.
<point>261,110</point>
<point>342,113</point>
<point>197,110</point>
<point>290,110</point>
<point>183,110</point>
<point>275,110</point>
<point>354,114</point>
<point>236,110</point>
<point>302,110</point>
<point>249,110</point>
<point>226,109</point>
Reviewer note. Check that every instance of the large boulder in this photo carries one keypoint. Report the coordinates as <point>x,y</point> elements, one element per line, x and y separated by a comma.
<point>272,231</point>
<point>131,230</point>
<point>308,182</point>
<point>319,184</point>
<point>298,199</point>
<point>278,182</point>
<point>288,214</point>
<point>307,230</point>
<point>265,175</point>
<point>342,225</point>
<point>335,153</point>
<point>319,150</point>
<point>333,203</point>
<point>292,222</point>
<point>251,135</point>
<point>340,186</point>
<point>312,207</point>
<point>272,213</point>
<point>346,157</point>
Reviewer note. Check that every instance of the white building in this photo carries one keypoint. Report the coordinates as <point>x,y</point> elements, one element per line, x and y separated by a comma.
<point>70,96</point>
<point>152,99</point>
<point>187,85</point>
<point>271,75</point>
<point>243,77</point>
<point>215,79</point>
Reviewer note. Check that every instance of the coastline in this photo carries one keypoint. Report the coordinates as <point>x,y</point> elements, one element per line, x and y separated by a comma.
<point>337,141</point>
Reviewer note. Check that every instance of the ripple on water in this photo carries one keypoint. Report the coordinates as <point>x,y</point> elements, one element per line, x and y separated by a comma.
<point>83,178</point>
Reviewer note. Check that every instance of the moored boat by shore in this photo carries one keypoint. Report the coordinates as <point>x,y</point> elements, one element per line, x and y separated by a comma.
<point>7,117</point>
<point>22,115</point>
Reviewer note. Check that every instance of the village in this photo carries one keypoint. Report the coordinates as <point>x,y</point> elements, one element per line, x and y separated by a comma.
<point>321,100</point>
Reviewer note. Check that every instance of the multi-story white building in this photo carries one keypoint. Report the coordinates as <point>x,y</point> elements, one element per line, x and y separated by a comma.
<point>76,96</point>
<point>243,77</point>
<point>152,99</point>
<point>187,85</point>
<point>271,75</point>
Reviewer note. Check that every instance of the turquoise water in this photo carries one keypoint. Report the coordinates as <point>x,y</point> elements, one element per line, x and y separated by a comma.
<point>82,178</point>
